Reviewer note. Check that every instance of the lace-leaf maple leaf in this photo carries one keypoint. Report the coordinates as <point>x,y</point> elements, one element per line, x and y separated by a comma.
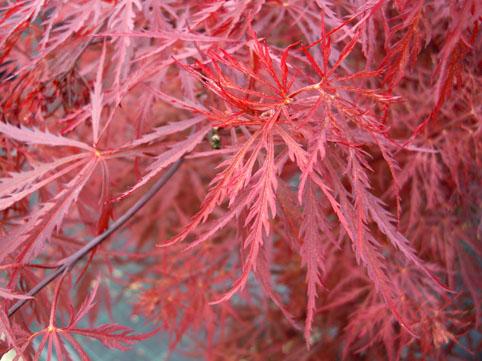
<point>56,337</point>
<point>35,136</point>
<point>20,185</point>
<point>176,152</point>
<point>6,293</point>
<point>312,251</point>
<point>28,238</point>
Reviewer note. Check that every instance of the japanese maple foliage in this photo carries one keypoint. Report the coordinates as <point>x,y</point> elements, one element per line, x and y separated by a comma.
<point>324,157</point>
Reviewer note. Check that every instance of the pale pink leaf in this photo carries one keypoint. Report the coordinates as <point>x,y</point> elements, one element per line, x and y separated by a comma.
<point>168,157</point>
<point>20,185</point>
<point>35,136</point>
<point>97,98</point>
<point>165,130</point>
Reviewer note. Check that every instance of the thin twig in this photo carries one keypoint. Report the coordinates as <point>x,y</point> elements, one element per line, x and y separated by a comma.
<point>70,261</point>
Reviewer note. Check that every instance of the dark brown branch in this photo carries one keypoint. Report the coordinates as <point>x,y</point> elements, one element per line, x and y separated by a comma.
<point>69,262</point>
